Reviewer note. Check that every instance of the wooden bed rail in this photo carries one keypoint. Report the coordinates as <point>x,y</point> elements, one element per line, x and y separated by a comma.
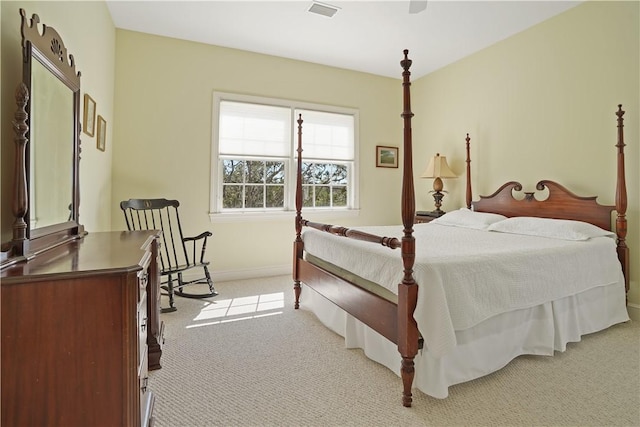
<point>390,242</point>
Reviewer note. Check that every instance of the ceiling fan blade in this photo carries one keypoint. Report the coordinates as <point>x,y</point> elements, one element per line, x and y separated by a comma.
<point>417,6</point>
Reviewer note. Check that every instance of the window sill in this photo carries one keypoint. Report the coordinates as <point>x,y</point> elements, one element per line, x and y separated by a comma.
<point>308,214</point>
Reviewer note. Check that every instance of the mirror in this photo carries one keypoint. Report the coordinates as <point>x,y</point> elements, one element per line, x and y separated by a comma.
<point>47,127</point>
<point>50,149</point>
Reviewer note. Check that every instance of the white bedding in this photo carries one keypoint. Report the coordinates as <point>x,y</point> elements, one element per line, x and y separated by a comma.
<point>467,276</point>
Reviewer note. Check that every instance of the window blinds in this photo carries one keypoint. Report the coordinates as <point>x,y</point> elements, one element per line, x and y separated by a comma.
<point>254,129</point>
<point>327,135</point>
<point>247,129</point>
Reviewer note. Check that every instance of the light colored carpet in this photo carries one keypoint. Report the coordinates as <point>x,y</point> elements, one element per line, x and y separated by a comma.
<point>247,358</point>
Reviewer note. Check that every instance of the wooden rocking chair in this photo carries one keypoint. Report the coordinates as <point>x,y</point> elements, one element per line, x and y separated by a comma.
<point>177,253</point>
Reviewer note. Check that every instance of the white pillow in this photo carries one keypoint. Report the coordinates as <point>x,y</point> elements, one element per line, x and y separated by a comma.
<point>468,219</point>
<point>547,227</point>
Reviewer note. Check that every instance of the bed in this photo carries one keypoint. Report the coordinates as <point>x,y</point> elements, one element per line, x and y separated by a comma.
<point>511,273</point>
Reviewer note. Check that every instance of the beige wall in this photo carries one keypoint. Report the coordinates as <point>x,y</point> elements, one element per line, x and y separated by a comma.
<point>164,97</point>
<point>540,105</point>
<point>87,30</point>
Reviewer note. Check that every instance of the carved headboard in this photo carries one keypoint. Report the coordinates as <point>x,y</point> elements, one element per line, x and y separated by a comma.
<point>560,203</point>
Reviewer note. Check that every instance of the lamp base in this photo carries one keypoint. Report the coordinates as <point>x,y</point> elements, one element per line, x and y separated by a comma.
<point>437,198</point>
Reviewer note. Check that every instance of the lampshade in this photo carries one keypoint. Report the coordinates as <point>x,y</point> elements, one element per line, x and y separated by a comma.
<point>438,168</point>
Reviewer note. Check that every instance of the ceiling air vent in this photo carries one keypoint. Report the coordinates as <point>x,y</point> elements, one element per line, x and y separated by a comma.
<point>323,9</point>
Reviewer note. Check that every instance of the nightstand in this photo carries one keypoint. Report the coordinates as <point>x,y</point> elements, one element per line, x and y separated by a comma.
<point>426,216</point>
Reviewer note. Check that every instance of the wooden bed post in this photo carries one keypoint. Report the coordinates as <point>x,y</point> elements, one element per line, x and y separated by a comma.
<point>621,202</point>
<point>469,197</point>
<point>298,244</point>
<point>408,289</point>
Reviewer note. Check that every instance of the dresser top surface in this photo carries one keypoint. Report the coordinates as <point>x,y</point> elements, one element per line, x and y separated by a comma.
<point>96,252</point>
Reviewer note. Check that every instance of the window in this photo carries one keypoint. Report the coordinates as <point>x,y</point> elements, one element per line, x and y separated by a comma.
<point>255,156</point>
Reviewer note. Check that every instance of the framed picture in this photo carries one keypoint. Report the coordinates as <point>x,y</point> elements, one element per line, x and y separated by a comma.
<point>386,157</point>
<point>89,119</point>
<point>102,133</point>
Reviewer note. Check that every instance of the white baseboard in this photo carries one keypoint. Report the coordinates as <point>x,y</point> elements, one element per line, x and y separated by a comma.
<point>253,273</point>
<point>634,311</point>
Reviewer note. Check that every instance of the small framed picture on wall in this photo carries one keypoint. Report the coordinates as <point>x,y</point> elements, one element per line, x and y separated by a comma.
<point>102,133</point>
<point>89,118</point>
<point>386,157</point>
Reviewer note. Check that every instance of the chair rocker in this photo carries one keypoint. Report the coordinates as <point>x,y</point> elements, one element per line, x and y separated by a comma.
<point>177,254</point>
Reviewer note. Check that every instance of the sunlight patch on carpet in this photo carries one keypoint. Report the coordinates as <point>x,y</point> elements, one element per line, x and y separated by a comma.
<point>236,309</point>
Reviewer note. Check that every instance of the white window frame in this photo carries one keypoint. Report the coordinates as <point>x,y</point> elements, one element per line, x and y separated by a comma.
<point>216,214</point>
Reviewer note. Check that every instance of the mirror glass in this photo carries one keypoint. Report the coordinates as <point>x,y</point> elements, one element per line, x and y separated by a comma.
<point>50,149</point>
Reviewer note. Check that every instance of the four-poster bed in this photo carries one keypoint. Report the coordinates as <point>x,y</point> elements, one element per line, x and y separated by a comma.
<point>562,279</point>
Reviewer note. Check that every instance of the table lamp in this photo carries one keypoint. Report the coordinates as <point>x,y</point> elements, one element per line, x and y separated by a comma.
<point>438,169</point>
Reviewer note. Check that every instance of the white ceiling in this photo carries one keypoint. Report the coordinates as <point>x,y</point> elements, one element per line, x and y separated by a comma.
<point>366,36</point>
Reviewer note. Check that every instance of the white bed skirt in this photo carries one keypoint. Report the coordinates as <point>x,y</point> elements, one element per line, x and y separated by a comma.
<point>488,346</point>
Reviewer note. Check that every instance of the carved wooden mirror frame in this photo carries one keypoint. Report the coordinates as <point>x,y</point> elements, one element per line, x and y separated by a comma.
<point>49,50</point>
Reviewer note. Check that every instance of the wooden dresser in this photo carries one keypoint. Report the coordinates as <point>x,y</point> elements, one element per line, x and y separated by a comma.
<point>80,329</point>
